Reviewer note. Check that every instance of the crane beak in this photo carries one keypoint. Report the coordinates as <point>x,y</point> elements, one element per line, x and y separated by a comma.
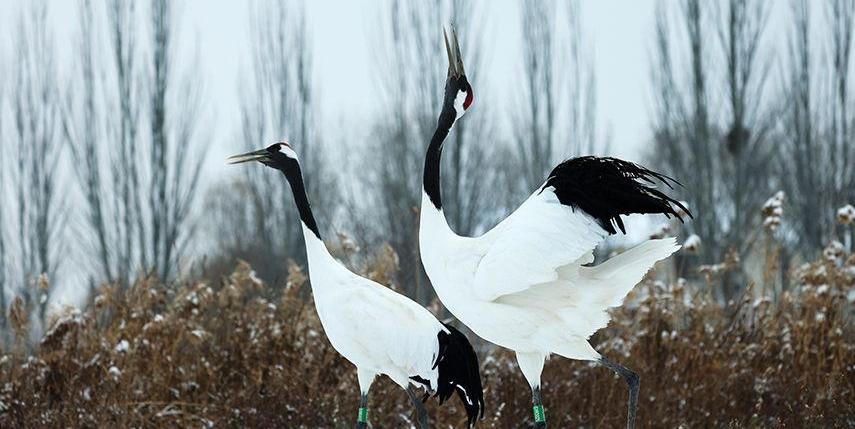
<point>249,156</point>
<point>452,48</point>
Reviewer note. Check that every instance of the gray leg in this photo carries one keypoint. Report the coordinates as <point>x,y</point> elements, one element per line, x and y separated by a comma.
<point>362,417</point>
<point>539,414</point>
<point>421,412</point>
<point>632,381</point>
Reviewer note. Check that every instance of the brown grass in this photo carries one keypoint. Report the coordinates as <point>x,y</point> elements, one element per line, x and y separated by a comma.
<point>231,354</point>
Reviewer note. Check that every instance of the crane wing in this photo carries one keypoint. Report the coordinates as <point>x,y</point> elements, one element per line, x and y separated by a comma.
<point>580,203</point>
<point>530,245</point>
<point>406,331</point>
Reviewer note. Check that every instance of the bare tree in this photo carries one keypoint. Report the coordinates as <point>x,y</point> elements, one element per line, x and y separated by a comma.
<point>124,97</point>
<point>801,130</point>
<point>747,147</point>
<point>277,101</point>
<point>538,124</point>
<point>82,126</point>
<point>683,137</point>
<point>138,168</point>
<point>410,91</point>
<point>173,162</point>
<point>557,105</point>
<point>580,91</point>
<point>36,137</point>
<point>102,117</point>
<point>841,153</point>
<point>3,302</point>
<point>719,147</point>
<point>817,129</point>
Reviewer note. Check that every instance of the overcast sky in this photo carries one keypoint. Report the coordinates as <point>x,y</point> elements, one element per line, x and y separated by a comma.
<point>617,33</point>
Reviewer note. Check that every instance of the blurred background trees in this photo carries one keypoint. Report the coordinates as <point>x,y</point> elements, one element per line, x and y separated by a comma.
<point>816,130</point>
<point>254,217</point>
<point>407,42</point>
<point>113,136</point>
<point>132,122</point>
<point>712,119</point>
<point>101,163</point>
<point>35,150</point>
<point>556,118</point>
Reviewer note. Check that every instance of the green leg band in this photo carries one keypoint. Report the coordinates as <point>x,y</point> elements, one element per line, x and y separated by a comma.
<point>539,414</point>
<point>362,417</point>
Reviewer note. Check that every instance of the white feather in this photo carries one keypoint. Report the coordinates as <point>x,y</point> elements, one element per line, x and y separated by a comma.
<point>370,325</point>
<point>531,244</point>
<point>459,99</point>
<point>524,284</point>
<point>289,152</point>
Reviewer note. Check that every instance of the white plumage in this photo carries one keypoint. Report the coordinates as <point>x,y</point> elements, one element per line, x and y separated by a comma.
<point>376,329</point>
<point>524,284</point>
<point>527,284</point>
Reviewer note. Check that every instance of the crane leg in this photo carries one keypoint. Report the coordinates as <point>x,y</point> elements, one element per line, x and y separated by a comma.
<point>365,379</point>
<point>362,416</point>
<point>632,381</point>
<point>531,365</point>
<point>539,414</point>
<point>421,412</point>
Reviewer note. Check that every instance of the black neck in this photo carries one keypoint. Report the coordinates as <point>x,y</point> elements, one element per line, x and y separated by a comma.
<point>446,119</point>
<point>295,179</point>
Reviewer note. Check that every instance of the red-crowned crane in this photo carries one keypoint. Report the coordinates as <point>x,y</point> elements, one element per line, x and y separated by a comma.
<point>376,329</point>
<point>528,284</point>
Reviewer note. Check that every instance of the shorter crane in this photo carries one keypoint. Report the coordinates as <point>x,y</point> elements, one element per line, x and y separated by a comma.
<point>376,329</point>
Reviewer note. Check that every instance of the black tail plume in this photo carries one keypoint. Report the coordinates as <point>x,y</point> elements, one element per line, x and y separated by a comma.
<point>459,371</point>
<point>606,188</point>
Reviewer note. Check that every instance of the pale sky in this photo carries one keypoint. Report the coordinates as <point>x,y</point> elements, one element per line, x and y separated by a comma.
<point>617,33</point>
<point>618,36</point>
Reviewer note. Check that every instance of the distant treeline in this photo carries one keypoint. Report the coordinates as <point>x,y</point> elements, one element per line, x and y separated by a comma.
<point>101,156</point>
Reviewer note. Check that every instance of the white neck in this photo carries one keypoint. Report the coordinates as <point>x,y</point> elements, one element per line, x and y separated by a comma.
<point>317,254</point>
<point>432,222</point>
<point>440,249</point>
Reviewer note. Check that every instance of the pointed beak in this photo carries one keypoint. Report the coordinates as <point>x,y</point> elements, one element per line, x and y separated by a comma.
<point>452,48</point>
<point>249,156</point>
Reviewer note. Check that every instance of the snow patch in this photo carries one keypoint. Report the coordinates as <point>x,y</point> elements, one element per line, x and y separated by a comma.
<point>114,372</point>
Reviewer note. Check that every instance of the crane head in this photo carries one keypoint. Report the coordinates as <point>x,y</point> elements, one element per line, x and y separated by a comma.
<point>279,155</point>
<point>457,86</point>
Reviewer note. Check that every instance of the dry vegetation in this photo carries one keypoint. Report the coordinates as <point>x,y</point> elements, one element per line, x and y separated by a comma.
<point>233,353</point>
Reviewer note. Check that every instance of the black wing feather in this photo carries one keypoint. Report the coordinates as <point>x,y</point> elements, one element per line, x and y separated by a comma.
<point>606,188</point>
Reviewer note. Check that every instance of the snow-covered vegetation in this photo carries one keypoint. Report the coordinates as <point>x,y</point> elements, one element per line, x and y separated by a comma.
<point>235,352</point>
<point>102,193</point>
